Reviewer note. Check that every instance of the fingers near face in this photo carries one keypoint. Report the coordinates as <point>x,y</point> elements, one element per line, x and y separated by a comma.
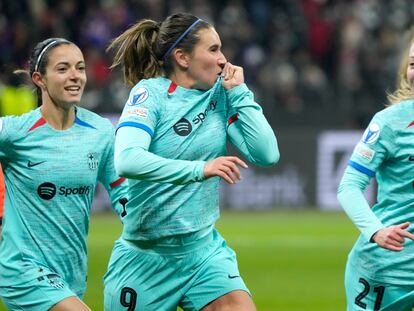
<point>207,60</point>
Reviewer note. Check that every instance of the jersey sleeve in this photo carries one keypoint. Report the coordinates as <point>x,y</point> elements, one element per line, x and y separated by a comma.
<point>249,130</point>
<point>376,145</point>
<point>2,194</point>
<point>6,134</point>
<point>115,186</point>
<point>133,160</point>
<point>351,198</point>
<point>135,130</point>
<point>141,110</point>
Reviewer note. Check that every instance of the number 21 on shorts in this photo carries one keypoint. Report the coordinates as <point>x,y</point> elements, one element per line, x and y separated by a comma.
<point>379,290</point>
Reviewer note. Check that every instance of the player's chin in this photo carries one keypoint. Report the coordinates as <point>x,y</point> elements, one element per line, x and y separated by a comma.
<point>72,101</point>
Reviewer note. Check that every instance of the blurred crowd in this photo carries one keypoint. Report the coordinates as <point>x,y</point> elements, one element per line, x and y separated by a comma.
<point>310,63</point>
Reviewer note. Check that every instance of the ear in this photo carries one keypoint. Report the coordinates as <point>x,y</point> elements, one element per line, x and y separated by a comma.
<point>38,80</point>
<point>181,58</point>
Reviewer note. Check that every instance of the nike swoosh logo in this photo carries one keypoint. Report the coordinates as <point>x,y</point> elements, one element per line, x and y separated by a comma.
<point>31,164</point>
<point>411,158</point>
<point>233,276</point>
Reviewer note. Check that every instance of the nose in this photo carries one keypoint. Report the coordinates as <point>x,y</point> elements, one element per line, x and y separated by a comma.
<point>74,74</point>
<point>222,60</point>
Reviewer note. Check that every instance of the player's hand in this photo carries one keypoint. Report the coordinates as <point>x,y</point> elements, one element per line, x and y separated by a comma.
<point>226,168</point>
<point>392,237</point>
<point>232,76</point>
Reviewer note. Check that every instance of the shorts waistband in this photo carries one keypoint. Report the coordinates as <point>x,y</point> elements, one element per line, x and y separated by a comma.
<point>179,244</point>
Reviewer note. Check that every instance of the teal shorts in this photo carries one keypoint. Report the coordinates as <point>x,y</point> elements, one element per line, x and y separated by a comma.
<point>365,294</point>
<point>149,276</point>
<point>36,289</point>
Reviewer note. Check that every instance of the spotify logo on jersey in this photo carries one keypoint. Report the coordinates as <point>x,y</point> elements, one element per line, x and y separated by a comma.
<point>183,127</point>
<point>46,191</point>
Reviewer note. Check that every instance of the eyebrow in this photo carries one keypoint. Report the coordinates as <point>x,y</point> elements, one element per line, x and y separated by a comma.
<point>215,45</point>
<point>67,63</point>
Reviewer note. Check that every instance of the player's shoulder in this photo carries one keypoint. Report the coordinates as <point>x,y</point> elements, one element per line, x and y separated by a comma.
<point>153,84</point>
<point>148,90</point>
<point>22,123</point>
<point>397,114</point>
<point>93,120</point>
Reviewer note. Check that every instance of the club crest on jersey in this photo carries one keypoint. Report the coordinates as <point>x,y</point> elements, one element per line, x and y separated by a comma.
<point>139,96</point>
<point>93,160</point>
<point>371,134</point>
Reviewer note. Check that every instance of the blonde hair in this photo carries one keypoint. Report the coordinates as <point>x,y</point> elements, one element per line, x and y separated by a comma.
<point>404,90</point>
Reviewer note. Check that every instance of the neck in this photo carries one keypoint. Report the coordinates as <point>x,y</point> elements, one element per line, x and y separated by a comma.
<point>57,117</point>
<point>182,79</point>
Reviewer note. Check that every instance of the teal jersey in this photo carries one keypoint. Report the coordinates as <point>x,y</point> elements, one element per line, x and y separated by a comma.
<point>182,129</point>
<point>50,179</point>
<point>386,151</point>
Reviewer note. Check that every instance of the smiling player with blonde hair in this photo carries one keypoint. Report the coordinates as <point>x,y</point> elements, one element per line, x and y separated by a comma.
<point>380,266</point>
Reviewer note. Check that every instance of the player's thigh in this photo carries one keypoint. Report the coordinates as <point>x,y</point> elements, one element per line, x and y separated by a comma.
<point>365,294</point>
<point>139,281</point>
<point>70,304</point>
<point>216,278</point>
<point>235,300</point>
<point>33,294</point>
<point>405,302</point>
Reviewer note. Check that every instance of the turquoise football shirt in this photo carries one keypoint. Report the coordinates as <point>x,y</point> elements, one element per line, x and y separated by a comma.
<point>165,136</point>
<point>385,151</point>
<point>50,178</point>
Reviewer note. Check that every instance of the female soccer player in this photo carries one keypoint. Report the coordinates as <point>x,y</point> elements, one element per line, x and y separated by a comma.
<point>380,267</point>
<point>187,102</point>
<point>52,158</point>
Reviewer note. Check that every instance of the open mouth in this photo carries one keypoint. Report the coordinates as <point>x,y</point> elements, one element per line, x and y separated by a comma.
<point>73,90</point>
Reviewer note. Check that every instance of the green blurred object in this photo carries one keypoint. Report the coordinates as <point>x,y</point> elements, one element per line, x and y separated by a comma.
<point>290,259</point>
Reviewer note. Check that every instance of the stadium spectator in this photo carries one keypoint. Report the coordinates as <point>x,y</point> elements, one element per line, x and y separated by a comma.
<point>351,47</point>
<point>380,265</point>
<point>187,100</point>
<point>52,159</point>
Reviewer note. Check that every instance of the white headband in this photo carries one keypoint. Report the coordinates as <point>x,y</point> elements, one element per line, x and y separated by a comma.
<point>43,52</point>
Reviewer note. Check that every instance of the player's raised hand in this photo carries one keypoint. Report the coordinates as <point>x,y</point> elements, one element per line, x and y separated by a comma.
<point>233,76</point>
<point>392,237</point>
<point>226,168</point>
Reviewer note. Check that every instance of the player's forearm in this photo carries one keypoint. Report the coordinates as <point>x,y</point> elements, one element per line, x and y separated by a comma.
<point>250,132</point>
<point>137,163</point>
<point>352,200</point>
<point>132,160</point>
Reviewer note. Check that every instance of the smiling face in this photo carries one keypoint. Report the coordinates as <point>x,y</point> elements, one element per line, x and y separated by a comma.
<point>206,61</point>
<point>65,77</point>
